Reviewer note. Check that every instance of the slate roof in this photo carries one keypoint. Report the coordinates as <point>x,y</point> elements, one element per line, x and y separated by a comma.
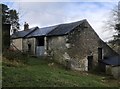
<point>114,61</point>
<point>61,29</point>
<point>56,30</point>
<point>22,34</point>
<point>42,31</point>
<point>64,29</point>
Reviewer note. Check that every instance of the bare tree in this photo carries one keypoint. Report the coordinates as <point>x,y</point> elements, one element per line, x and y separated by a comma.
<point>113,23</point>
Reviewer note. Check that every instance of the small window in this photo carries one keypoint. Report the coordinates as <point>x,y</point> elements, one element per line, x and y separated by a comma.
<point>99,53</point>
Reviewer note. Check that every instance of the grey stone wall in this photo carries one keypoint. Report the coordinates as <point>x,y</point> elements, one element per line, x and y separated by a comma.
<point>84,42</point>
<point>113,70</point>
<point>75,47</point>
<point>57,48</point>
<point>18,43</point>
<point>116,72</point>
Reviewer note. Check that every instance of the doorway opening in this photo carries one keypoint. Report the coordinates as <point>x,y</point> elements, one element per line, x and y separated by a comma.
<point>100,57</point>
<point>40,46</point>
<point>40,41</point>
<point>29,47</point>
<point>90,63</point>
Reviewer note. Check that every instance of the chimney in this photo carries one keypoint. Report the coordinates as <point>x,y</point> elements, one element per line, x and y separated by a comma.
<point>26,26</point>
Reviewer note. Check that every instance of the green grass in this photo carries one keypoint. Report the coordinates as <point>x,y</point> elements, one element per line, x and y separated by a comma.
<point>43,73</point>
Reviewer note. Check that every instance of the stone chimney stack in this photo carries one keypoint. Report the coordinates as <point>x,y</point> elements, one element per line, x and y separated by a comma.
<point>26,26</point>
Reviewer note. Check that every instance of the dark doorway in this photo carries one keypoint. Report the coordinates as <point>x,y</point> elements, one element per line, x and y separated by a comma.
<point>40,41</point>
<point>90,62</point>
<point>100,57</point>
<point>40,48</point>
<point>29,47</point>
<point>99,53</point>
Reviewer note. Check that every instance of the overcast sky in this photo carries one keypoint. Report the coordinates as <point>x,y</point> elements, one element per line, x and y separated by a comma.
<point>43,14</point>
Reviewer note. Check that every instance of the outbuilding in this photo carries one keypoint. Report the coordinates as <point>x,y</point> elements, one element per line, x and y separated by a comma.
<point>113,66</point>
<point>74,44</point>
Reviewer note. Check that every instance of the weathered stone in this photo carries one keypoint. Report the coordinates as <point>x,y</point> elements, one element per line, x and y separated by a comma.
<point>77,46</point>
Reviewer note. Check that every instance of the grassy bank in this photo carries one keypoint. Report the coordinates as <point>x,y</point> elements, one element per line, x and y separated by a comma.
<point>43,73</point>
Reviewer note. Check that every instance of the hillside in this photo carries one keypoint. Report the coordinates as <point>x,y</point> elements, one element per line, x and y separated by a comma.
<point>43,73</point>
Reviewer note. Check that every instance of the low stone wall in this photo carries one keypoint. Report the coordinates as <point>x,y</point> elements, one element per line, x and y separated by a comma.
<point>116,72</point>
<point>108,69</point>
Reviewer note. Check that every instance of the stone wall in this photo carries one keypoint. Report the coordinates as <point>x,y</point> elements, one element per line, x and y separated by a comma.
<point>75,47</point>
<point>84,42</point>
<point>18,43</point>
<point>57,48</point>
<point>113,70</point>
<point>109,69</point>
<point>116,72</point>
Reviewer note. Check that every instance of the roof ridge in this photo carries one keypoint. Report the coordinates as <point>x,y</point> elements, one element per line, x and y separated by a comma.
<point>49,34</point>
<point>60,29</point>
<point>75,21</point>
<point>65,23</point>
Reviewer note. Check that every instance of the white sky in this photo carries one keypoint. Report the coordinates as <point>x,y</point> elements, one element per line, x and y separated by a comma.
<point>43,14</point>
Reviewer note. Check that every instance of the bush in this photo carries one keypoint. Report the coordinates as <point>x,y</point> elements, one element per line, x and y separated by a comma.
<point>15,56</point>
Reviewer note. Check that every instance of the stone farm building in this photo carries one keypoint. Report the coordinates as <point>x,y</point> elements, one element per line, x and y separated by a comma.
<point>73,43</point>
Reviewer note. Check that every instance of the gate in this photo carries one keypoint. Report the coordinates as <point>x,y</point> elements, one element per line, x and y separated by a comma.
<point>40,50</point>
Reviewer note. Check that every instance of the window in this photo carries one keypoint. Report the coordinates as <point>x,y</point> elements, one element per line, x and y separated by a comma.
<point>99,53</point>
